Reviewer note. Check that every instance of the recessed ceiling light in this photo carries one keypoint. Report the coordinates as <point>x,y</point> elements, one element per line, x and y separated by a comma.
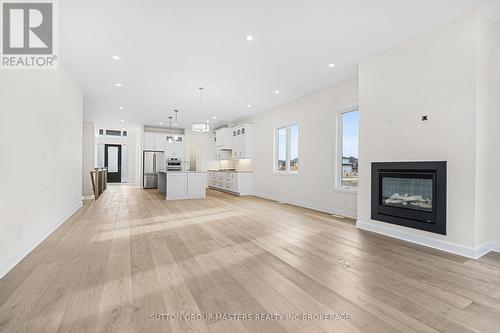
<point>116,57</point>
<point>207,121</point>
<point>121,108</point>
<point>123,128</point>
<point>331,65</point>
<point>276,92</point>
<point>118,84</point>
<point>176,124</point>
<point>122,120</point>
<point>214,117</point>
<point>161,123</point>
<point>249,38</point>
<point>249,106</point>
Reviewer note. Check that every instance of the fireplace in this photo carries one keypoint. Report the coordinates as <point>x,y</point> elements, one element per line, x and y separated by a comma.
<point>411,194</point>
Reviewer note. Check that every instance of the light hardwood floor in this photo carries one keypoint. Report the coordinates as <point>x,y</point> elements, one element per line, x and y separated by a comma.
<point>131,254</point>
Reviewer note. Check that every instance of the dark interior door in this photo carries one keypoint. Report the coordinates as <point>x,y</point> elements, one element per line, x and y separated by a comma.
<point>113,161</point>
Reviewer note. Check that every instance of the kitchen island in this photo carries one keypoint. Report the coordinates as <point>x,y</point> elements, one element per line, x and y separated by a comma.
<point>178,185</point>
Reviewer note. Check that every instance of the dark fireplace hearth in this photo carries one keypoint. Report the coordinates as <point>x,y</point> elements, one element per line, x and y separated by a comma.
<point>411,194</point>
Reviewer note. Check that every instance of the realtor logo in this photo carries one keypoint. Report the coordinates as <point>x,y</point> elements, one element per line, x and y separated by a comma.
<point>28,35</point>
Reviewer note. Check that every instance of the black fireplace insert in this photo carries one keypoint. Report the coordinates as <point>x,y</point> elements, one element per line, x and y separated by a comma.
<point>411,194</point>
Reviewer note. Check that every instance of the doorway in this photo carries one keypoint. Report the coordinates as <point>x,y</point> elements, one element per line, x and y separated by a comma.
<point>194,156</point>
<point>113,161</point>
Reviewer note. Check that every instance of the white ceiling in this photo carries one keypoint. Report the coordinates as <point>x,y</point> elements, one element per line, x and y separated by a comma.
<point>169,48</point>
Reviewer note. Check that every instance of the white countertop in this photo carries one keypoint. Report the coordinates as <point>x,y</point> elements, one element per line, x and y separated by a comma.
<point>162,171</point>
<point>232,171</point>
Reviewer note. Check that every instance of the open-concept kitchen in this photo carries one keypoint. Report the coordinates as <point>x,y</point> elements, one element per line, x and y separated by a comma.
<point>174,168</point>
<point>250,166</point>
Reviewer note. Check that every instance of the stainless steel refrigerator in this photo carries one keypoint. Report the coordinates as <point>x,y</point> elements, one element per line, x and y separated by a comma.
<point>153,161</point>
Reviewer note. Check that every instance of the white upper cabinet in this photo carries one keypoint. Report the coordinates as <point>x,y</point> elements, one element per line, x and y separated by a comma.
<point>242,141</point>
<point>154,141</point>
<point>223,138</point>
<point>236,141</point>
<point>160,140</point>
<point>179,149</point>
<point>221,155</point>
<point>149,141</point>
<point>169,149</point>
<point>174,146</point>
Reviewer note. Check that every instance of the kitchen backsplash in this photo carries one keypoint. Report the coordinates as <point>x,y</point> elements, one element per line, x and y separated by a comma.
<point>238,165</point>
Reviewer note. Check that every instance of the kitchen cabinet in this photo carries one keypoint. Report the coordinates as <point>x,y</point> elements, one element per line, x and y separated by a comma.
<point>221,155</point>
<point>197,185</point>
<point>174,147</point>
<point>179,149</point>
<point>242,141</point>
<point>169,149</point>
<point>154,141</point>
<point>149,141</point>
<point>160,140</point>
<point>185,185</point>
<point>234,143</point>
<point>239,183</point>
<point>223,138</point>
<point>176,185</point>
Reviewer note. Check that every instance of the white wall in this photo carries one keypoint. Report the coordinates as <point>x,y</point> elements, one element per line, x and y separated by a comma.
<point>41,147</point>
<point>316,116</point>
<point>88,157</point>
<point>493,219</point>
<point>488,133</point>
<point>434,74</point>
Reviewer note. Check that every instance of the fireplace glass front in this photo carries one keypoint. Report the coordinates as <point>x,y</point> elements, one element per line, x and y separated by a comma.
<point>411,194</point>
<point>404,192</point>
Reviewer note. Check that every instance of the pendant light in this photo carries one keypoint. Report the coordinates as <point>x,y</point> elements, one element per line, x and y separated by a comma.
<point>170,128</point>
<point>200,127</point>
<point>201,97</point>
<point>176,122</point>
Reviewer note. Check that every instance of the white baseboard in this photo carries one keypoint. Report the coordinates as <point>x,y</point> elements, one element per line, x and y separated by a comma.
<point>8,264</point>
<point>303,204</point>
<point>487,247</point>
<point>88,197</point>
<point>462,250</point>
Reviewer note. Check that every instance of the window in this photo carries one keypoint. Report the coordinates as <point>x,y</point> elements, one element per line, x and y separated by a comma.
<point>113,133</point>
<point>294,148</point>
<point>124,170</point>
<point>282,164</point>
<point>287,149</point>
<point>347,150</point>
<point>100,155</point>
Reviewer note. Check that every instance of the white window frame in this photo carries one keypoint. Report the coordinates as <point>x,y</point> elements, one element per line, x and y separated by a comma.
<point>338,152</point>
<point>286,172</point>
